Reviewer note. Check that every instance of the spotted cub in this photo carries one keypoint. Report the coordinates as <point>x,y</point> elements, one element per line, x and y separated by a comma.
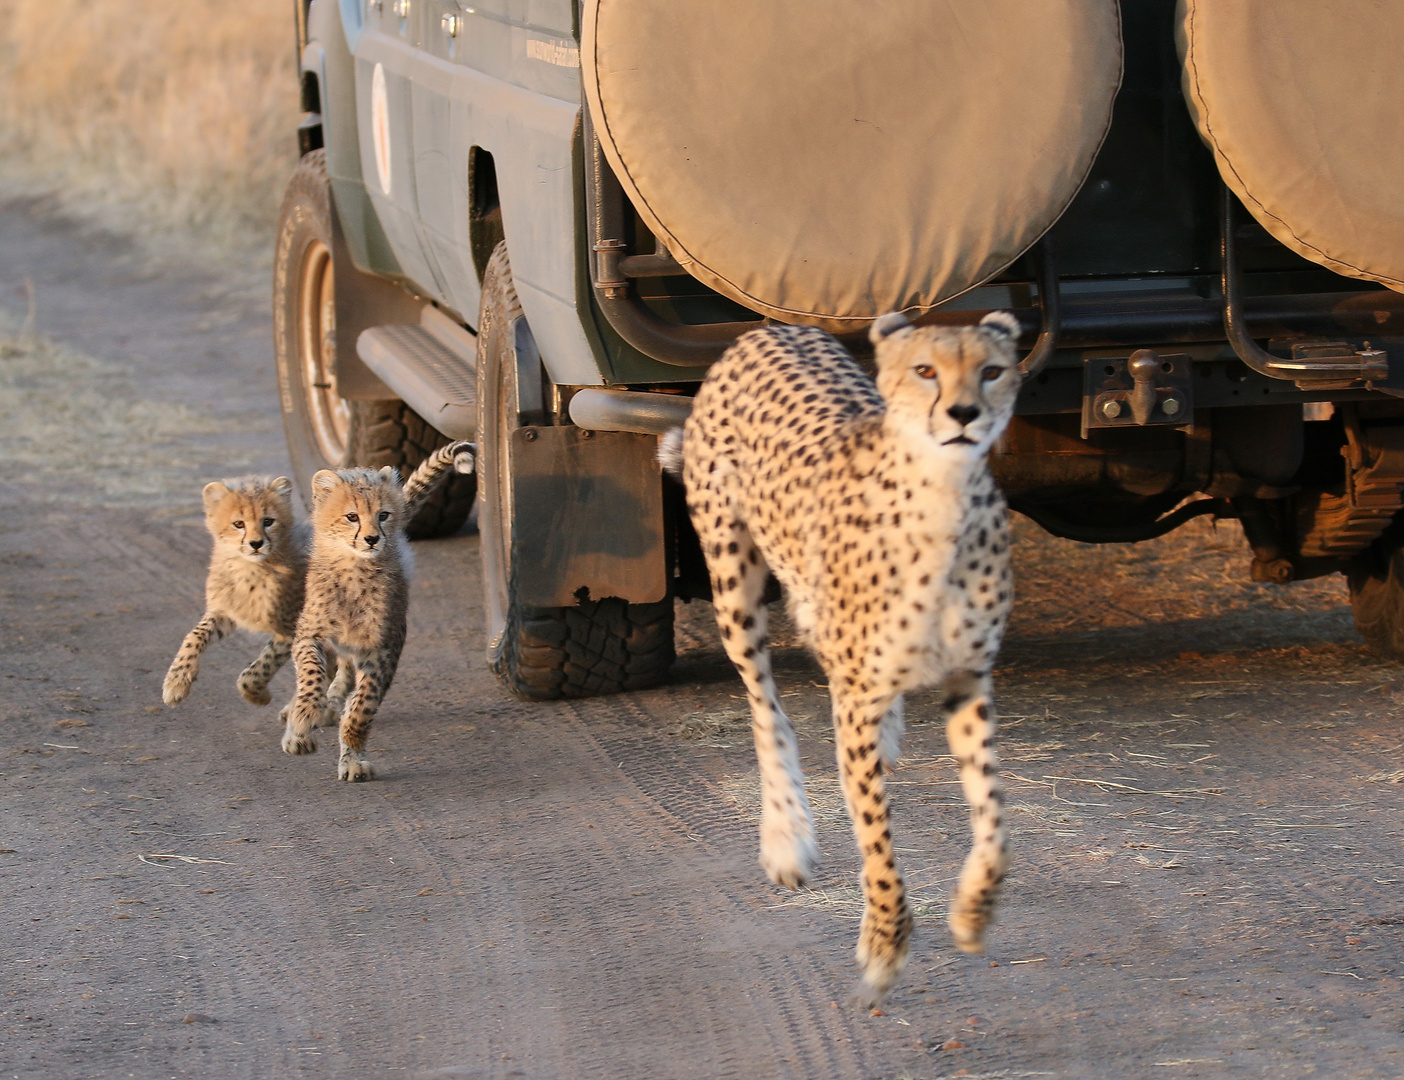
<point>254,583</point>
<point>356,606</point>
<point>258,573</point>
<point>875,508</point>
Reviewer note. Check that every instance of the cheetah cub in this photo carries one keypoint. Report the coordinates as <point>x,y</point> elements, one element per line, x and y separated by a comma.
<point>875,508</point>
<point>357,598</point>
<point>254,583</point>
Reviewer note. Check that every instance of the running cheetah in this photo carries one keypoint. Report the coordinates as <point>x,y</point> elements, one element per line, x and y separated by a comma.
<point>875,509</point>
<point>255,581</point>
<point>258,571</point>
<point>357,599</point>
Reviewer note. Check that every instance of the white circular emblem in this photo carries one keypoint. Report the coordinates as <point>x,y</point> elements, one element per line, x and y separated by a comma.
<point>380,127</point>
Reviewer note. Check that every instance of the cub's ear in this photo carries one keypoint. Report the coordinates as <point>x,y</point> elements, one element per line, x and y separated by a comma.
<point>1003,325</point>
<point>390,474</point>
<point>282,486</point>
<point>884,326</point>
<point>214,491</point>
<point>323,483</point>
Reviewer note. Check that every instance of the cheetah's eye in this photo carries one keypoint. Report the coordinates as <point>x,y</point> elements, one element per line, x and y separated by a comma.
<point>353,517</point>
<point>267,522</point>
<point>926,371</point>
<point>384,514</point>
<point>991,373</point>
<point>237,524</point>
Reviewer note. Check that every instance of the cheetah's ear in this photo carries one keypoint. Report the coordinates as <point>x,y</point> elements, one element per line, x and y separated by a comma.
<point>884,326</point>
<point>282,487</point>
<point>391,475</point>
<point>1003,325</point>
<point>214,491</point>
<point>323,482</point>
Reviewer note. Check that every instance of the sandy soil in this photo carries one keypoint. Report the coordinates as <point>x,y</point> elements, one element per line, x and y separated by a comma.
<point>1203,776</point>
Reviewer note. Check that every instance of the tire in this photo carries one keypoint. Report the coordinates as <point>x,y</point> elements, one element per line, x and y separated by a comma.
<point>597,646</point>
<point>1376,580</point>
<point>323,429</point>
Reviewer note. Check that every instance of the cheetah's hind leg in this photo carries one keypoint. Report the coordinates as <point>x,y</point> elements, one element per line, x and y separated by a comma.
<point>890,732</point>
<point>254,679</point>
<point>970,731</point>
<point>788,851</point>
<point>340,689</point>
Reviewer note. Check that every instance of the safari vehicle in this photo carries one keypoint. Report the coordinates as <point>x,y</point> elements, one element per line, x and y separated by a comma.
<point>535,223</point>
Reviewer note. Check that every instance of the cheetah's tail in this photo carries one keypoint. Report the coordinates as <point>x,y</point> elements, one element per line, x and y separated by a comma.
<point>455,457</point>
<point>670,451</point>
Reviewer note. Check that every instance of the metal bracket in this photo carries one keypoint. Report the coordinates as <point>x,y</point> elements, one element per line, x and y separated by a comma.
<point>1145,388</point>
<point>1339,365</point>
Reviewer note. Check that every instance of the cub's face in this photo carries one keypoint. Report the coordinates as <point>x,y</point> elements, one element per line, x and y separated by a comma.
<point>250,517</point>
<point>360,510</point>
<point>955,384</point>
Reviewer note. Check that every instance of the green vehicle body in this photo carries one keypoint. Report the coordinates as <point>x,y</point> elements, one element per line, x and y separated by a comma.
<point>487,140</point>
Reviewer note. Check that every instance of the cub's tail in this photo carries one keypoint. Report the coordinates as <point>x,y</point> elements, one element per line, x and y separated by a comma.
<point>458,457</point>
<point>670,451</point>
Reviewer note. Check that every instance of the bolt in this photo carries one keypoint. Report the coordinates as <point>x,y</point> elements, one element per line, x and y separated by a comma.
<point>1170,406</point>
<point>587,433</point>
<point>1111,409</point>
<point>529,434</point>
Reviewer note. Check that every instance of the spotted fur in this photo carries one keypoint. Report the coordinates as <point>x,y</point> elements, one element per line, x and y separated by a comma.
<point>255,581</point>
<point>874,507</point>
<point>357,602</point>
<point>455,457</point>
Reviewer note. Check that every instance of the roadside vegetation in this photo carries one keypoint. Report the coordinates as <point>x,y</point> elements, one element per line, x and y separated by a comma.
<point>170,121</point>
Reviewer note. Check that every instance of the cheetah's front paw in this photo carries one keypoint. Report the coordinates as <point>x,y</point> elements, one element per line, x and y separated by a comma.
<point>788,852</point>
<point>968,923</point>
<point>353,766</point>
<point>882,951</point>
<point>293,743</point>
<point>176,687</point>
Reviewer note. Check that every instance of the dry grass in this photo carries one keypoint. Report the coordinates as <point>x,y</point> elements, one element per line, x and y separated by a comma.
<point>173,121</point>
<point>134,451</point>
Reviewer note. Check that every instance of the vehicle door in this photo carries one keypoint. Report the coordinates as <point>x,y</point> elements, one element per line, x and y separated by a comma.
<point>472,57</point>
<point>387,58</point>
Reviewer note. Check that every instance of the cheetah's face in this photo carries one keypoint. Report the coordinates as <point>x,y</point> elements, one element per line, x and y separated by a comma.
<point>955,385</point>
<point>251,518</point>
<point>359,509</point>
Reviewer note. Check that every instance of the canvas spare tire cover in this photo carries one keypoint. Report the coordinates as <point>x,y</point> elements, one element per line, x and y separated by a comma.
<point>826,163</point>
<point>1302,105</point>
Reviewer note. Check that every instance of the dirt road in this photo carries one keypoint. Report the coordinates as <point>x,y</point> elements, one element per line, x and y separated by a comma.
<point>1209,870</point>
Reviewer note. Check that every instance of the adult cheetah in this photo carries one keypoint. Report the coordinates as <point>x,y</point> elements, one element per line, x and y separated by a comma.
<point>874,507</point>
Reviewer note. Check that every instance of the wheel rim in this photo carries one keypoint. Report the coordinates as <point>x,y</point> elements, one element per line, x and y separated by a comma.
<point>328,411</point>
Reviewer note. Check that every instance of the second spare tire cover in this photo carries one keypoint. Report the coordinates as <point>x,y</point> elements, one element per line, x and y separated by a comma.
<point>825,163</point>
<point>1302,105</point>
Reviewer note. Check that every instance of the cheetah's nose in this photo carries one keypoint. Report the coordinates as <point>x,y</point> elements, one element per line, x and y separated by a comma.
<point>371,541</point>
<point>255,544</point>
<point>963,413</point>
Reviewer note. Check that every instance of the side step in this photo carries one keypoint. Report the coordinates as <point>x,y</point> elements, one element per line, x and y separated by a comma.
<point>432,367</point>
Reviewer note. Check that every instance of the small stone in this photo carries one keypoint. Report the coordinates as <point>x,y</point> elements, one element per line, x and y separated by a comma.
<point>953,1044</point>
<point>877,1012</point>
<point>198,1018</point>
<point>994,963</point>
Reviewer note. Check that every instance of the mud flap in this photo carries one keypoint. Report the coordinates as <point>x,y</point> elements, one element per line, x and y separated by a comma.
<point>587,515</point>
